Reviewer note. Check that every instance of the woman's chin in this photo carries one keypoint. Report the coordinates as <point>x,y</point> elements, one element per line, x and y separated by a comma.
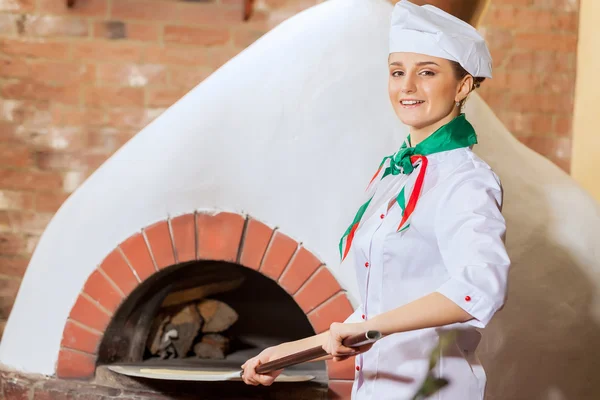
<point>412,121</point>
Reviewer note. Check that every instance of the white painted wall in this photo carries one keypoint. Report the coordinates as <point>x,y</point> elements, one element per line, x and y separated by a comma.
<point>290,131</point>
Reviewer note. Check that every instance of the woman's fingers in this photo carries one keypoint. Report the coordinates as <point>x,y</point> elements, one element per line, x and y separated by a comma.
<point>341,354</point>
<point>363,348</point>
<point>250,377</point>
<point>337,333</point>
<point>343,350</point>
<point>249,374</point>
<point>335,347</point>
<point>265,380</point>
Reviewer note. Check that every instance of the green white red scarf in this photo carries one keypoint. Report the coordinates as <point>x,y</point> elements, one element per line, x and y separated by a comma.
<point>457,133</point>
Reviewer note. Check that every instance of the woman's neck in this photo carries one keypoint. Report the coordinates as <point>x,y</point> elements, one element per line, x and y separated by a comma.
<point>417,135</point>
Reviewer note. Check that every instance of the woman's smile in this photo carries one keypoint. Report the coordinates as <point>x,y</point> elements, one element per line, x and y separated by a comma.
<point>411,103</point>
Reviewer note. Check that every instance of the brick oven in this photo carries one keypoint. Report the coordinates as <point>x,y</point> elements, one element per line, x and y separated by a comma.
<point>287,293</point>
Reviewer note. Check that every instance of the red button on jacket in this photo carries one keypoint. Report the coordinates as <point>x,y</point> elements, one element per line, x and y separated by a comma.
<point>468,298</point>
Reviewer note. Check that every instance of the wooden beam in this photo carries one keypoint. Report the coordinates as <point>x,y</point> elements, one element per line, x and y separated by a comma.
<point>470,11</point>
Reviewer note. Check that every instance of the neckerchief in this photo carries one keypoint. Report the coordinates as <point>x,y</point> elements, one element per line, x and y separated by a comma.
<point>456,134</point>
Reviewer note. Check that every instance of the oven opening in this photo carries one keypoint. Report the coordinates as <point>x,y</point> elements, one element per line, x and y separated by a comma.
<point>203,318</point>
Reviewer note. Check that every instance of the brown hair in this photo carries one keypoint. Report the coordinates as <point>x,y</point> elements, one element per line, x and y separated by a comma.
<point>460,73</point>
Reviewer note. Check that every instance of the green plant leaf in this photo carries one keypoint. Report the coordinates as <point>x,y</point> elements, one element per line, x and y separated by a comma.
<point>432,384</point>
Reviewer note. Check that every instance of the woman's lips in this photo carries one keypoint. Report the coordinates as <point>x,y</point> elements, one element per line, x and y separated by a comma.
<point>412,103</point>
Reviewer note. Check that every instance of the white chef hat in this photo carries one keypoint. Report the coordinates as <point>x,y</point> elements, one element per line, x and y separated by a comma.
<point>431,31</point>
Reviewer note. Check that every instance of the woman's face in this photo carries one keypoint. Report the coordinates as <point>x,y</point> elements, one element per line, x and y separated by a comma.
<point>423,89</point>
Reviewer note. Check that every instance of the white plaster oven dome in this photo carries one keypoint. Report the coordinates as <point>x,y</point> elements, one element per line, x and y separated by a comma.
<point>290,131</point>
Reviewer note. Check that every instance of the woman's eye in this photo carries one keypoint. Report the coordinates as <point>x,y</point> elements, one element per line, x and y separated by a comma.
<point>428,73</point>
<point>397,73</point>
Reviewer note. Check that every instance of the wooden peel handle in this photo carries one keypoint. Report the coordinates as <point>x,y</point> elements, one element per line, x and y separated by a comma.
<point>316,352</point>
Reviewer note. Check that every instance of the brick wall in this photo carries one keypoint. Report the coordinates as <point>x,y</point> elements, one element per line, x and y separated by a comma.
<point>75,84</point>
<point>534,47</point>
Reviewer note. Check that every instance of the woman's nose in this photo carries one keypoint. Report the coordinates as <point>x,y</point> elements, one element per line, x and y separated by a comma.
<point>408,85</point>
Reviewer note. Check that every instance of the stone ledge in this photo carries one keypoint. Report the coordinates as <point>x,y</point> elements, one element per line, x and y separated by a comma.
<point>19,386</point>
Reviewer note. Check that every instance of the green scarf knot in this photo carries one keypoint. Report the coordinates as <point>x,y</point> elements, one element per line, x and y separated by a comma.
<point>401,163</point>
<point>455,134</point>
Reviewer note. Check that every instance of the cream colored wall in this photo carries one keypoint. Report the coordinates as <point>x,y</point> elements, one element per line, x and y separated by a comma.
<point>586,135</point>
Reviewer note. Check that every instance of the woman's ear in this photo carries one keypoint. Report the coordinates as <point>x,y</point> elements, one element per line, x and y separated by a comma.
<point>466,84</point>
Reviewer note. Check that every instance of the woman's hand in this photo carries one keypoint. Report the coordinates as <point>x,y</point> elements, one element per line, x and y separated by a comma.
<point>337,333</point>
<point>250,377</point>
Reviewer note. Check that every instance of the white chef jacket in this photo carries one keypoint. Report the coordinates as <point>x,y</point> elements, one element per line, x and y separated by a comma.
<point>455,246</point>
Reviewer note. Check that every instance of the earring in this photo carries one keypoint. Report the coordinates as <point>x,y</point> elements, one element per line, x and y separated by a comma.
<point>458,104</point>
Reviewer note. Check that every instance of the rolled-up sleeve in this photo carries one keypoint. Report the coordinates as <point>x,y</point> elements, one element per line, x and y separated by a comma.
<point>470,231</point>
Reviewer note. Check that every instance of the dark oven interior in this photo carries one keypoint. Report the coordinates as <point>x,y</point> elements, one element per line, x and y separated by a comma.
<point>205,315</point>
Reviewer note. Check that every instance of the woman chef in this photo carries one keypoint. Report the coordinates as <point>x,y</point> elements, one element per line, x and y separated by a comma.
<point>428,242</point>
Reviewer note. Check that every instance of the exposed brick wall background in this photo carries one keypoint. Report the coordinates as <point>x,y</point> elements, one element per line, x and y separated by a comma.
<point>75,84</point>
<point>534,48</point>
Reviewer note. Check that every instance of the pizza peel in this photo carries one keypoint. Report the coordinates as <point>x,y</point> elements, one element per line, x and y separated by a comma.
<point>218,375</point>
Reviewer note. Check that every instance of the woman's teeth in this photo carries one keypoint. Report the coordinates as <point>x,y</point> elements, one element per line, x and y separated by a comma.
<point>411,102</point>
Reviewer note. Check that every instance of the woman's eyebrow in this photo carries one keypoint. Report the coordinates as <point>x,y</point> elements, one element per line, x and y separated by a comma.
<point>420,64</point>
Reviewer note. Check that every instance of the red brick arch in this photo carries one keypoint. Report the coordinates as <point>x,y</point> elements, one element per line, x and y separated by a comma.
<point>200,236</point>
